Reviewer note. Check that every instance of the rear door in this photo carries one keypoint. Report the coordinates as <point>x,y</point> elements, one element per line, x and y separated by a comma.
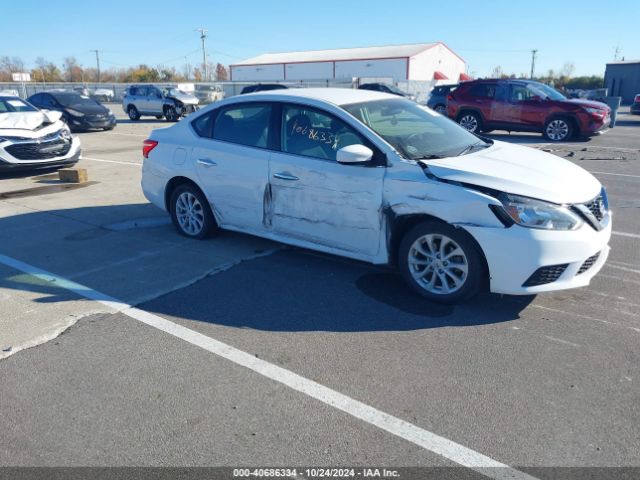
<point>486,98</point>
<point>154,101</point>
<point>313,197</point>
<point>231,157</point>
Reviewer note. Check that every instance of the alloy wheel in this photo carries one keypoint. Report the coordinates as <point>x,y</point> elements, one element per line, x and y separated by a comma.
<point>189,213</point>
<point>438,264</point>
<point>469,122</point>
<point>557,130</point>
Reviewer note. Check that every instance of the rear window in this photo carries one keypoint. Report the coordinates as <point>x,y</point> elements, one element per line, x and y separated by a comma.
<point>246,125</point>
<point>483,90</point>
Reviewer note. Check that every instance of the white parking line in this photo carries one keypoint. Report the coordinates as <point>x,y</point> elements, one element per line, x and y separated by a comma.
<point>430,441</point>
<point>625,234</point>
<point>127,134</point>
<point>110,161</point>
<point>616,174</point>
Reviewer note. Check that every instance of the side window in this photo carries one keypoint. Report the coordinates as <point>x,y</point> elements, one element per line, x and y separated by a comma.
<point>244,124</point>
<point>313,133</point>
<point>483,90</point>
<point>203,124</point>
<point>36,99</point>
<point>132,91</point>
<point>141,91</point>
<point>520,93</point>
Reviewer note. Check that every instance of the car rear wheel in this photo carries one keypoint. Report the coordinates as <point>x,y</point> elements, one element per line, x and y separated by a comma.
<point>133,113</point>
<point>441,109</point>
<point>471,122</point>
<point>190,212</point>
<point>558,129</point>
<point>441,262</point>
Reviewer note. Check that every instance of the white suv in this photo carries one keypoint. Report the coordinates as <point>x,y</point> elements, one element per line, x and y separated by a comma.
<point>168,102</point>
<point>379,178</point>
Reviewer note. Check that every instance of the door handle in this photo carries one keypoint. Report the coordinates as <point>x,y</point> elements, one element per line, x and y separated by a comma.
<point>285,176</point>
<point>207,162</point>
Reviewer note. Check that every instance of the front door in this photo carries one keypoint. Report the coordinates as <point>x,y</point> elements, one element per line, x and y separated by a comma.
<point>316,199</point>
<point>231,158</point>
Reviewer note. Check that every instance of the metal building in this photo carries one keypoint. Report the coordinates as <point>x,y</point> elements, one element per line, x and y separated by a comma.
<point>422,61</point>
<point>622,79</point>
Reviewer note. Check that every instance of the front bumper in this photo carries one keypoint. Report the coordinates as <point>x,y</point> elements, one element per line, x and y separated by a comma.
<point>24,166</point>
<point>514,254</point>
<point>9,162</point>
<point>84,123</point>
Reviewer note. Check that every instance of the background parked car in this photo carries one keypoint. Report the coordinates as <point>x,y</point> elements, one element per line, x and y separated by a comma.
<point>262,87</point>
<point>386,88</point>
<point>31,139</point>
<point>438,97</point>
<point>103,94</point>
<point>168,102</point>
<point>78,111</point>
<point>635,107</point>
<point>525,106</point>
<point>208,93</point>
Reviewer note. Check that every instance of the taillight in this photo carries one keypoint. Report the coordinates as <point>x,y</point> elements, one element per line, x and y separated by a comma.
<point>450,97</point>
<point>637,99</point>
<point>147,146</point>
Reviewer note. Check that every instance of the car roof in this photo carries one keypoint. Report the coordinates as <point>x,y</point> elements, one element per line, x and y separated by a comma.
<point>337,96</point>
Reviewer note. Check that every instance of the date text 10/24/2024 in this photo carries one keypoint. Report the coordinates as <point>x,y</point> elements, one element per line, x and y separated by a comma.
<point>316,472</point>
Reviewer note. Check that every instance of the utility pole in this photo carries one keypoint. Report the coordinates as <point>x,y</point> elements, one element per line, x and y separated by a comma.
<point>187,67</point>
<point>616,54</point>
<point>203,35</point>
<point>98,62</point>
<point>533,62</point>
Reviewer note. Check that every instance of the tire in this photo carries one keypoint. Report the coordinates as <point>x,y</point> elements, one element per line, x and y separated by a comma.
<point>445,281</point>
<point>159,117</point>
<point>470,121</point>
<point>558,129</point>
<point>198,222</point>
<point>109,128</point>
<point>441,109</point>
<point>171,114</point>
<point>133,113</point>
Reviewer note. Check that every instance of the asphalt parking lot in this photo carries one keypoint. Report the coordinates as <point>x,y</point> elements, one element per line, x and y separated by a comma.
<point>241,351</point>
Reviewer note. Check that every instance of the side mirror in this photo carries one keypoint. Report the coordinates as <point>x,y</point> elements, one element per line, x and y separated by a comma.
<point>354,154</point>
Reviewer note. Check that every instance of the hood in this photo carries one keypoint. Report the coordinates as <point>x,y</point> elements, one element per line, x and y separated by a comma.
<point>24,120</point>
<point>89,109</point>
<point>184,97</point>
<point>581,102</point>
<point>521,171</point>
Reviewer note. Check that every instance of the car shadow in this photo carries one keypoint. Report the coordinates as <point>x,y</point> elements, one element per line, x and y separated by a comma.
<point>144,120</point>
<point>291,290</point>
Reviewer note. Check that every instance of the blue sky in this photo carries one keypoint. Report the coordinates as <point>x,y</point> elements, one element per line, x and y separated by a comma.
<point>485,34</point>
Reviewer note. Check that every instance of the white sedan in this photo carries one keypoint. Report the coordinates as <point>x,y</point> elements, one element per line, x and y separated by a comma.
<point>379,178</point>
<point>32,138</point>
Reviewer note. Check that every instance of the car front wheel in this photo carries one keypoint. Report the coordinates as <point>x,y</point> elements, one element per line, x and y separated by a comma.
<point>171,114</point>
<point>190,212</point>
<point>441,262</point>
<point>558,129</point>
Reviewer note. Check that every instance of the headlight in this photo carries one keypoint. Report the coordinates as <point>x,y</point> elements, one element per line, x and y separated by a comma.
<point>531,213</point>
<point>75,113</point>
<point>109,111</point>
<point>596,112</point>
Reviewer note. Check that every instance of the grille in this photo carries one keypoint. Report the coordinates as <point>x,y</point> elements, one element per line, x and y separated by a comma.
<point>545,275</point>
<point>588,263</point>
<point>39,151</point>
<point>596,207</point>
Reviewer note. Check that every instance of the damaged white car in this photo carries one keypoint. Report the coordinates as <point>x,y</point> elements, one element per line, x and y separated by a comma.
<point>32,139</point>
<point>378,178</point>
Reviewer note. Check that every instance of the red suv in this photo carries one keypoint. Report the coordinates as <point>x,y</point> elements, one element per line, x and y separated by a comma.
<point>525,106</point>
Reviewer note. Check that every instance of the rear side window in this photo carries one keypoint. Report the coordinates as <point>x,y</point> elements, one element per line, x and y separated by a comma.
<point>244,125</point>
<point>203,125</point>
<point>483,90</point>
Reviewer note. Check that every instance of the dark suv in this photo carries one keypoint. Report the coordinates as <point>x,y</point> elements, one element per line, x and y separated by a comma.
<point>525,106</point>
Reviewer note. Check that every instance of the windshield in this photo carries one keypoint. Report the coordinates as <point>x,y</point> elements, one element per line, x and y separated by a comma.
<point>73,99</point>
<point>546,91</point>
<point>395,90</point>
<point>174,91</point>
<point>413,130</point>
<point>8,104</point>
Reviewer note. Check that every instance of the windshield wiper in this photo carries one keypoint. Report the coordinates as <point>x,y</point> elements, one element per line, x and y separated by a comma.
<point>473,146</point>
<point>428,157</point>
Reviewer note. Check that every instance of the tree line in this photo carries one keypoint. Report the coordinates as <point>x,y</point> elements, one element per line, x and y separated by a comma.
<point>71,71</point>
<point>562,79</point>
